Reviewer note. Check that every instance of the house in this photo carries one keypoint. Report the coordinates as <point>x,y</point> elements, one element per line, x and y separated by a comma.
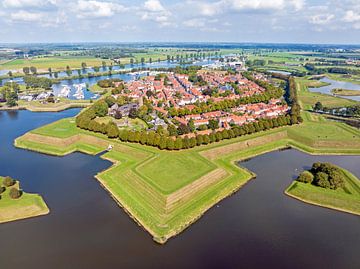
<point>124,110</point>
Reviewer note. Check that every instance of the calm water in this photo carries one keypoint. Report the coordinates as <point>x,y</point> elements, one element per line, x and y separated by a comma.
<point>258,227</point>
<point>335,84</point>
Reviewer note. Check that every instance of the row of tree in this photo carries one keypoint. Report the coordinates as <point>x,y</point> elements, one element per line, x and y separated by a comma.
<point>38,82</point>
<point>86,120</point>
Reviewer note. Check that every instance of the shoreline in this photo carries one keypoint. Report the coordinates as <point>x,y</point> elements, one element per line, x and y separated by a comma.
<point>319,204</point>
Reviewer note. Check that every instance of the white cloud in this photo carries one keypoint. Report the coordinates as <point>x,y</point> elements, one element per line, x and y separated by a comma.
<point>24,16</point>
<point>153,10</point>
<point>351,16</point>
<point>40,18</point>
<point>153,6</point>
<point>18,4</point>
<point>321,19</point>
<point>97,9</point>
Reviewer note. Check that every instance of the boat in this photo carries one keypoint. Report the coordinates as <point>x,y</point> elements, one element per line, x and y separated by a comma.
<point>65,92</point>
<point>79,90</point>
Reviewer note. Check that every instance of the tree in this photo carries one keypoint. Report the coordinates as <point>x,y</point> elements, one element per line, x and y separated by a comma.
<point>213,124</point>
<point>8,182</point>
<point>68,71</point>
<point>336,179</point>
<point>183,129</point>
<point>112,130</point>
<point>11,99</point>
<point>191,125</point>
<point>172,130</point>
<point>110,100</point>
<point>83,65</point>
<point>26,70</point>
<point>318,106</point>
<point>33,69</point>
<point>101,108</point>
<point>170,144</point>
<point>306,177</point>
<point>322,180</point>
<point>15,193</point>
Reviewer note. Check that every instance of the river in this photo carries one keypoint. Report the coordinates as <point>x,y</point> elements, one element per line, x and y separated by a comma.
<point>258,227</point>
<point>336,84</point>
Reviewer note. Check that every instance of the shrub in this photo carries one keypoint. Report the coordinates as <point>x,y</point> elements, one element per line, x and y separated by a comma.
<point>2,189</point>
<point>8,182</point>
<point>15,193</point>
<point>306,177</point>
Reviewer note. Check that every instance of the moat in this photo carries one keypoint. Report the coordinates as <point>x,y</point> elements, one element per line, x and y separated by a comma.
<point>257,227</point>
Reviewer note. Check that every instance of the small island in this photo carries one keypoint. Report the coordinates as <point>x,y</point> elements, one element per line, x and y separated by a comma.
<point>344,92</point>
<point>16,204</point>
<point>327,185</point>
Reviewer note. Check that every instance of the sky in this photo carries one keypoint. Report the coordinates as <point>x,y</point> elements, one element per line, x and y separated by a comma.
<point>263,21</point>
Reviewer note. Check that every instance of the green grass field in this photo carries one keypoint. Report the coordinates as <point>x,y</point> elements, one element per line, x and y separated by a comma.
<point>165,191</point>
<point>346,199</point>
<point>27,206</point>
<point>56,63</point>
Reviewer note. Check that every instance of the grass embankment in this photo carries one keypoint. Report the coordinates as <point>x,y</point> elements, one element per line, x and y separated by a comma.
<point>346,199</point>
<point>36,106</point>
<point>344,92</point>
<point>308,99</point>
<point>165,192</point>
<point>27,206</point>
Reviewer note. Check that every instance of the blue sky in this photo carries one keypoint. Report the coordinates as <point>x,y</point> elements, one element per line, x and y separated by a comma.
<point>278,21</point>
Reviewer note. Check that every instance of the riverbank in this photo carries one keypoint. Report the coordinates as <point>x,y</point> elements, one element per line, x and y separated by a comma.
<point>27,206</point>
<point>308,99</point>
<point>344,92</point>
<point>346,200</point>
<point>35,106</point>
<point>142,179</point>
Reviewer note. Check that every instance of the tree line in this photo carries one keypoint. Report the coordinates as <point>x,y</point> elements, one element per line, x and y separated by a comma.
<point>86,120</point>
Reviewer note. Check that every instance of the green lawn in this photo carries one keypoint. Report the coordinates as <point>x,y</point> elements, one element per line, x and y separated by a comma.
<point>347,199</point>
<point>28,205</point>
<point>171,171</point>
<point>62,128</point>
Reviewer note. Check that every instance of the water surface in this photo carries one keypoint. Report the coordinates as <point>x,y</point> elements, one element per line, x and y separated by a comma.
<point>336,84</point>
<point>258,227</point>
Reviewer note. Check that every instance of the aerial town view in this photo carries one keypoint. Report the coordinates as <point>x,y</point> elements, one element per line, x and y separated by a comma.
<point>180,134</point>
